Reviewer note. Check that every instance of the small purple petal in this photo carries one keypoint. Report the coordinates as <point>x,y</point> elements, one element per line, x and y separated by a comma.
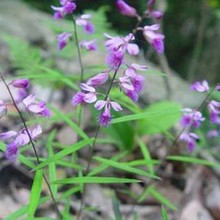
<point>200,86</point>
<point>21,83</point>
<point>12,151</point>
<point>105,119</point>
<point>7,135</point>
<point>126,9</point>
<point>78,98</point>
<point>133,49</point>
<point>87,88</point>
<point>100,104</point>
<point>99,79</point>
<point>90,97</point>
<point>116,106</point>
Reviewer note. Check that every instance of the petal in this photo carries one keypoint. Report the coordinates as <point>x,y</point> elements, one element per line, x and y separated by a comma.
<point>99,79</point>
<point>28,100</point>
<point>139,67</point>
<point>100,104</point>
<point>36,132</point>
<point>87,88</point>
<point>116,106</point>
<point>133,49</point>
<point>90,97</point>
<point>7,135</point>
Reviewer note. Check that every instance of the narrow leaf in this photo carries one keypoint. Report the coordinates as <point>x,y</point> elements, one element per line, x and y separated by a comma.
<point>95,179</point>
<point>71,149</point>
<point>35,193</point>
<point>193,160</point>
<point>125,167</point>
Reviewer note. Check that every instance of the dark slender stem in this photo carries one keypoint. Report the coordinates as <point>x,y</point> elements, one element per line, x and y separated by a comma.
<point>32,144</point>
<point>78,51</point>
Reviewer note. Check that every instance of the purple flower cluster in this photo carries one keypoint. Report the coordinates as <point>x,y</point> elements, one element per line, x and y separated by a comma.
<point>21,138</point>
<point>193,118</point>
<point>68,7</point>
<point>131,83</point>
<point>150,32</point>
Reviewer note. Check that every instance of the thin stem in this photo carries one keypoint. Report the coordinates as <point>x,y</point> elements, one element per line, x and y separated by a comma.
<point>93,147</point>
<point>78,51</point>
<point>32,144</point>
<point>81,67</point>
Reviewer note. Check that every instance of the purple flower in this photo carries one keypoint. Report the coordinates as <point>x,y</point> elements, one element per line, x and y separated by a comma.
<point>87,25</point>
<point>7,135</point>
<point>114,59</point>
<point>20,83</point>
<point>128,88</point>
<point>39,108</point>
<point>78,98</point>
<point>122,43</point>
<point>217,88</point>
<point>3,109</point>
<point>136,79</point>
<point>212,133</point>
<point>12,151</point>
<point>99,79</point>
<point>214,111</point>
<point>132,95</point>
<point>67,8</point>
<point>63,39</point>
<point>190,139</point>
<point>88,95</point>
<point>126,9</point>
<point>150,4</point>
<point>154,38</point>
<point>19,139</point>
<point>191,118</point>
<point>200,86</point>
<point>156,14</point>
<point>89,45</point>
<point>105,116</point>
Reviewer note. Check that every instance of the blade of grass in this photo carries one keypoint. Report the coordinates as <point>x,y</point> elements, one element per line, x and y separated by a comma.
<point>95,179</point>
<point>35,193</point>
<point>146,155</point>
<point>194,160</point>
<point>125,167</point>
<point>65,152</point>
<point>52,165</point>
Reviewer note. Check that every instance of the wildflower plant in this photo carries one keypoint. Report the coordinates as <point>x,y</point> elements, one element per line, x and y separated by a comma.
<point>113,93</point>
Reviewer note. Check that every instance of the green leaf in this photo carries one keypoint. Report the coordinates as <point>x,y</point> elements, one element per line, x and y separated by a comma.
<point>116,209</point>
<point>164,214</point>
<point>156,118</point>
<point>23,210</point>
<point>193,160</point>
<point>123,134</point>
<point>158,196</point>
<point>52,165</point>
<point>35,193</point>
<point>104,166</point>
<point>69,150</point>
<point>161,117</point>
<point>125,167</point>
<point>26,161</point>
<point>95,179</point>
<point>146,155</point>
